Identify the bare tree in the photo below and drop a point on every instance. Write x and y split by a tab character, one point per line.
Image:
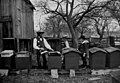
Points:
83	27
72	11
101	18
53	25
100	26
114	8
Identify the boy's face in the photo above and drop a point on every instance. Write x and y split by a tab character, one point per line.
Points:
81	40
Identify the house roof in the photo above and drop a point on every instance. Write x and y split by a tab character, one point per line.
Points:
29	2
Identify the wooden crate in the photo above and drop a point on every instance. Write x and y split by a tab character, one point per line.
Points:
25	44
71	58
10	44
113	57
54	61
23	60
7	59
97	58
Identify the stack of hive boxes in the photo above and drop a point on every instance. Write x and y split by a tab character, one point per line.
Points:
7	59
23	60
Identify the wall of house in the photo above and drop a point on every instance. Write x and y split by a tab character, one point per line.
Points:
24	24
5	20
0	37
16	19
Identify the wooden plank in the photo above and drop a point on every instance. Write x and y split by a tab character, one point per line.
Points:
18	19
23	22
0	8
0	37
9	29
28	29
14	16
2	5
5	19
5	7
29	24
10	7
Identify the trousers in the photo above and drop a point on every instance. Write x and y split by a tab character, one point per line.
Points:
44	59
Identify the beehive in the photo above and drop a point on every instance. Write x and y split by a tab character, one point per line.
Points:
97	58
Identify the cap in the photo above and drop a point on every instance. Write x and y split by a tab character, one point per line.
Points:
40	32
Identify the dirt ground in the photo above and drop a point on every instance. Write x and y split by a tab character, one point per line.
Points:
44	76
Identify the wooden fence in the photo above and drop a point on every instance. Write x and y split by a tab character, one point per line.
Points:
26	44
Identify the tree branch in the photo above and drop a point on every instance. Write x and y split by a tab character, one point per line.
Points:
67	8
89	10
71	5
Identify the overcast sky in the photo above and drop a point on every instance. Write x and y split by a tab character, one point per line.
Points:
38	18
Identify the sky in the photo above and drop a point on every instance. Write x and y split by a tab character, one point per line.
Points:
40	19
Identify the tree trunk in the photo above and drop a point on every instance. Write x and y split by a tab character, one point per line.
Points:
74	37
101	37
74	42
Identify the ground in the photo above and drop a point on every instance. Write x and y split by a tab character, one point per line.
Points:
44	76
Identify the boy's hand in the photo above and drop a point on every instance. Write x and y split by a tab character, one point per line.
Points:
42	49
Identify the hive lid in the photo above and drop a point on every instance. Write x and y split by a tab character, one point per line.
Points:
96	49
66	50
22	54
55	52
111	49
7	53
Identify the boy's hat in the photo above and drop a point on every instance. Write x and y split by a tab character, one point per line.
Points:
82	37
65	36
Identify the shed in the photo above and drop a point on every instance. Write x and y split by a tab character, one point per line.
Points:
97	58
16	19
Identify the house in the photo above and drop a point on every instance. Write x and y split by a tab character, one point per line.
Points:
16	20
